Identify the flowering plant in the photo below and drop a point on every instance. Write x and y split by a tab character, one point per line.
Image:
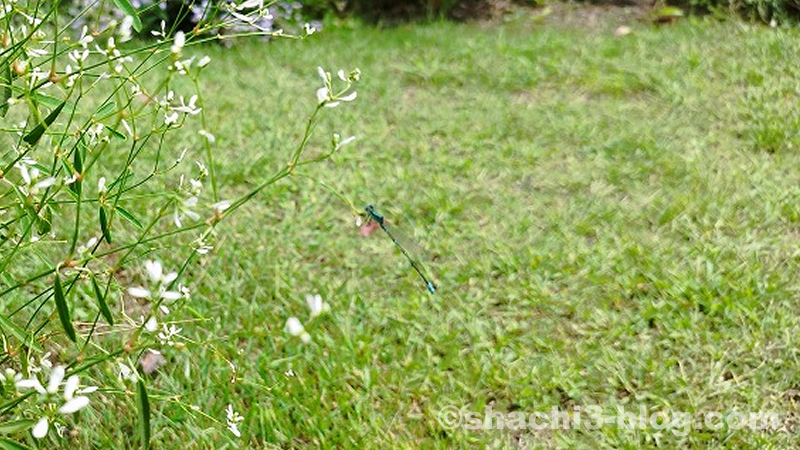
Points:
86	124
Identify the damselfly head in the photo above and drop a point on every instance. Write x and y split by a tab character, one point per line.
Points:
374	215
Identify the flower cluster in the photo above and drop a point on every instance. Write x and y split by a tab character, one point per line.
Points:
57	400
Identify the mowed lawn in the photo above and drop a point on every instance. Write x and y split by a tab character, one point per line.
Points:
609	221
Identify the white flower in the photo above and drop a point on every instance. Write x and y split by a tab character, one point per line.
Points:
203	61
324	96
170	118
295	328
188	108
126	373
86	38
167	335
233	420
178	43
186	210
101	185
316	305
221	206
72	404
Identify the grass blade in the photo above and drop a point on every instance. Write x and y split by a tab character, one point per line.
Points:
15	426
63	309
8	444
33	137
143	406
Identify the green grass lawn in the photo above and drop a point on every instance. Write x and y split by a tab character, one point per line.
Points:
609	221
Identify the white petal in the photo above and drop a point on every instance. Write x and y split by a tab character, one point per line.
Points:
349	97
176	218
169	278
46	183
248	4
31	383
154	269
138	292
171	295
322	74
221	206
233	428
71	386
322	94
346	141
151	325
341	75
192	215
294	327
56	377
314	304
74	405
40	429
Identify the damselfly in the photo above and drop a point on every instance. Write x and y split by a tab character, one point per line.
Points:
402	243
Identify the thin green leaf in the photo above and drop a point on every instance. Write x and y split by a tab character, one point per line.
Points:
101	302
63	309
106	109
8	444
16	425
77	164
117	134
128	9
33	137
7	325
77	159
129	217
48	101
104	224
5	86
143	406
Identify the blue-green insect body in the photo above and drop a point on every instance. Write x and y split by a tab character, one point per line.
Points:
378	218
